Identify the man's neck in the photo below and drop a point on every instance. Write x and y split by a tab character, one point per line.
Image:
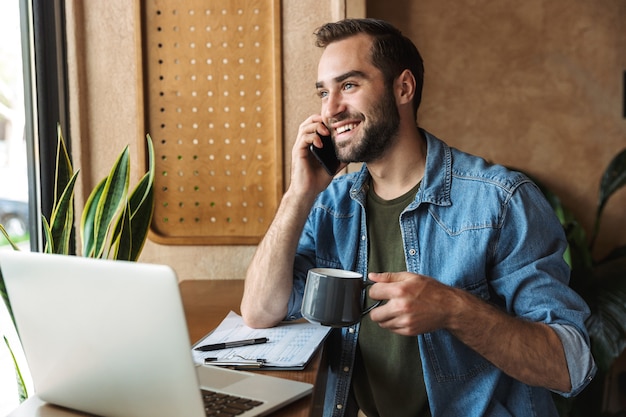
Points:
401	167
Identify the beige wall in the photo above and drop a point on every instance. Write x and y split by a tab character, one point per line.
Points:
534	84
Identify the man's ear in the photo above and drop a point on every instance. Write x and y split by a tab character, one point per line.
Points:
405	87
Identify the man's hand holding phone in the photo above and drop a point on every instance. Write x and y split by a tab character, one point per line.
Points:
308	178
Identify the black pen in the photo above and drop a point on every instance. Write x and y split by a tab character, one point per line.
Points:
228	345
236	362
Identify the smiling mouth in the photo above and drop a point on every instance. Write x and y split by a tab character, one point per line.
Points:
345	128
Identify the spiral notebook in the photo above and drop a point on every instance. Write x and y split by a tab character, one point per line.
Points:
289	346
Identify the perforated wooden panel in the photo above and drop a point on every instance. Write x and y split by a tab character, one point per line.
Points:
213	109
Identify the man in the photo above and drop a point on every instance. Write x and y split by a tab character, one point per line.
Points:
478	318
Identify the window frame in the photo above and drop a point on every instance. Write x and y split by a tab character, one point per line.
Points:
45	101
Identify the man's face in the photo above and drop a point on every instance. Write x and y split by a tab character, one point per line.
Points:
357	106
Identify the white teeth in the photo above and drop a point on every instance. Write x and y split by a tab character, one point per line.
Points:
346	128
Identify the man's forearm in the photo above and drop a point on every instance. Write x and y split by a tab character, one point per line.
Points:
269	278
529	352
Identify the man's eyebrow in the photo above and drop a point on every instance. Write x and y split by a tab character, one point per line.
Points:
343	77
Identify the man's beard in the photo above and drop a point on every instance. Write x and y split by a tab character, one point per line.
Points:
378	136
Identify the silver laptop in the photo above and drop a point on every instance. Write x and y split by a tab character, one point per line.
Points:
110	338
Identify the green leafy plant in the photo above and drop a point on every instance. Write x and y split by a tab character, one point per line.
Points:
114	223
602	283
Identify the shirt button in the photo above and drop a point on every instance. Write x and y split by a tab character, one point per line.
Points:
346	369
339	406
412	252
363	237
351	330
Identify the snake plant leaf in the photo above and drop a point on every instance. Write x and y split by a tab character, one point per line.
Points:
108	199
613	179
141	218
47	234
141	209
88	218
121	244
113	199
62	220
21	384
8	238
64	171
135	228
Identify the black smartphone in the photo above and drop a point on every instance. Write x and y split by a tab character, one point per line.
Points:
326	155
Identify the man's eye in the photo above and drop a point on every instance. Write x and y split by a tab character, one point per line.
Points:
322	93
348	86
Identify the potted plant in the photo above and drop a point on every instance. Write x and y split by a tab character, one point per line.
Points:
114	223
602	283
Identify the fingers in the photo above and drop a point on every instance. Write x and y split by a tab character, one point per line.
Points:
413	302
309	130
383	292
307	175
389	276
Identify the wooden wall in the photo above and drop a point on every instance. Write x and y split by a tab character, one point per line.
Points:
106	99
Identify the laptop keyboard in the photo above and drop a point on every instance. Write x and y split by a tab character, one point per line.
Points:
224	405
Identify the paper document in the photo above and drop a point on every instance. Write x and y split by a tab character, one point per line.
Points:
290	345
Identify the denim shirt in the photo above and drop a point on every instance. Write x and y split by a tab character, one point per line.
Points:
474	226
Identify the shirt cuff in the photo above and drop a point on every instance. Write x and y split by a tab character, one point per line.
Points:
580	363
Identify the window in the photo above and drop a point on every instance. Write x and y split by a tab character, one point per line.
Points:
14	209
32	103
13	169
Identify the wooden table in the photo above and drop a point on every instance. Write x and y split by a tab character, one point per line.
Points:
206	303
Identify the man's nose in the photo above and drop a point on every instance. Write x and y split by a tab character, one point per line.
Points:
333	106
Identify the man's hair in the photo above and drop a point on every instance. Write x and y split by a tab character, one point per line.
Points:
392	52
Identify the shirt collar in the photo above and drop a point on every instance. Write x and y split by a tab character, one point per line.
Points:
437	181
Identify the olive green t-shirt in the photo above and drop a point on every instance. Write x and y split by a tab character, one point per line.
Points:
388	380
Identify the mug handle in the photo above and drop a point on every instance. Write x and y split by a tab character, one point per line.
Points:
369	282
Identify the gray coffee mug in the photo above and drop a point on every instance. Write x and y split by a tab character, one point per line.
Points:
334	297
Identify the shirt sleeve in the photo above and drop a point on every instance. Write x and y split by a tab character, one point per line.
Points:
580	363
